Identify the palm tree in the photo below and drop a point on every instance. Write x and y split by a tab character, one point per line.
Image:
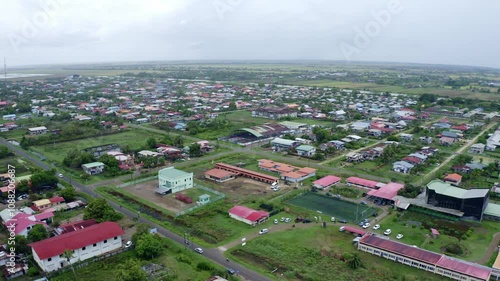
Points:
68	255
355	261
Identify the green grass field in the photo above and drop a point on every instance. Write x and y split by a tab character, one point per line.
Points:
333	207
180	262
475	244
132	138
316	253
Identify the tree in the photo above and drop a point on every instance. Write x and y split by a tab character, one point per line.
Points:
178	141
130	270
100	210
195	150
23	186
68	193
354	261
38	233
140	231
232	105
22	245
148	246
4	151
68	255
151	143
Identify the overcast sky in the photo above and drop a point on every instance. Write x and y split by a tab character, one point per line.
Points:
460	32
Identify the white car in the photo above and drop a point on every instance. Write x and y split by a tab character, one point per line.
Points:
333	219
60	175
399	236
366	225
198	250
282	219
263	231
128	244
275	221
377	226
387	232
288	220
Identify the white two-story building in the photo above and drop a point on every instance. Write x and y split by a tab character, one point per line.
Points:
86	243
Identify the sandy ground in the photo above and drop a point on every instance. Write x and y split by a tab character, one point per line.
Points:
147	190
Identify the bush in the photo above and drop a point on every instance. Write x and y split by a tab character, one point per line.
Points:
32	271
204	266
183	258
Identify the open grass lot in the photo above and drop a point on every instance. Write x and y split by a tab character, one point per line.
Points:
180	262
57	151
316	253
333	207
21	166
463	93
474	245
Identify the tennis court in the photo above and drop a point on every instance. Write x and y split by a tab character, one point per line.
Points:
334	207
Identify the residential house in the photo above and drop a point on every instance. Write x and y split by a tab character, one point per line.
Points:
402	167
445	141
454	179
44	204
406	137
274	112
279	144
86	243
37	130
22	223
306	150
354	157
427	140
93	168
477	148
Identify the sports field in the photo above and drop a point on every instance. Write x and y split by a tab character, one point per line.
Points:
332	206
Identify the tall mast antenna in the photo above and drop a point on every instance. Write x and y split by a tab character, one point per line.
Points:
5	76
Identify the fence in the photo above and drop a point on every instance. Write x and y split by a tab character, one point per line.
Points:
85	262
138	181
219	197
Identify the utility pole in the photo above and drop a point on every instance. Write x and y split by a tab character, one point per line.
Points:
5	76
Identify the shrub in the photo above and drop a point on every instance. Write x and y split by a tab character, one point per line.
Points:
204	266
183	258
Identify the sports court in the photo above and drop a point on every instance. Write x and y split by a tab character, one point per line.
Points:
334	207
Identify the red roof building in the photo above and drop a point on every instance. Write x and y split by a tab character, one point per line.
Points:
89	242
423	259
387	191
248	215
326	182
362	182
219	175
454	179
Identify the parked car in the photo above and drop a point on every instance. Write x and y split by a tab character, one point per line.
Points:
366	225
60	175
282	219
361	223
377	226
263	231
342	221
298	220
333	219
306	221
275	221
128	244
399	236
342	228
363	203
231	271
198	250
288	220
387	232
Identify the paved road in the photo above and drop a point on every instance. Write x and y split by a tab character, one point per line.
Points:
454	154
213	254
